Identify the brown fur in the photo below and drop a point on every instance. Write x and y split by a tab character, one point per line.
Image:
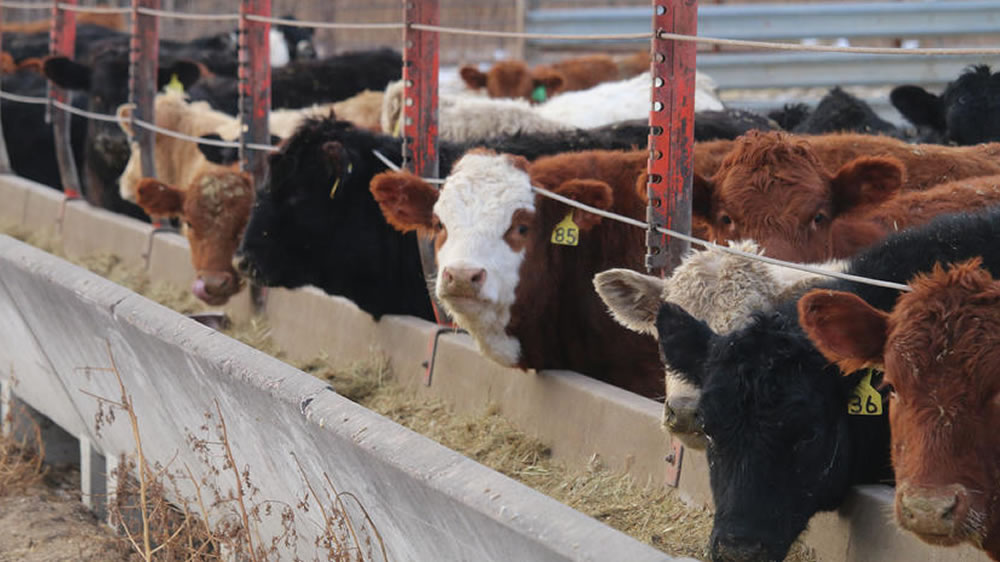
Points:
364	110
513	79
406	201
783	190
941	355
111	21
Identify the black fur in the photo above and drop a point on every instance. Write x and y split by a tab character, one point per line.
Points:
781	445
298	235
729	124
966	113
839	111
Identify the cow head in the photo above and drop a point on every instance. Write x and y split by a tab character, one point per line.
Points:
939	350
774	413
772	188
484	222
966	113
513	79
215	210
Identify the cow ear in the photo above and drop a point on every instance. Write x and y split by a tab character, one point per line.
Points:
124	118
844	328
221	155
67	73
591	192
919	106
406	200
864	181
633	299
186	72
684	342
474	78
159	199
702	190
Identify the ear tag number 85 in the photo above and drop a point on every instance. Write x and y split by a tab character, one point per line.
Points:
566	232
865	400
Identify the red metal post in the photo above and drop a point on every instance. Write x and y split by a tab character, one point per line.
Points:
4	157
255	86
671	138
144	57
420	91
62	41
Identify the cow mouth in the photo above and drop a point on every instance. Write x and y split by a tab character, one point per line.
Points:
201	290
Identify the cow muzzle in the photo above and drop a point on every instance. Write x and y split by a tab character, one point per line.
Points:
462	282
936	514
215	287
733	549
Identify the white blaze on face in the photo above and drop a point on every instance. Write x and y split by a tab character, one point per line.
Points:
475	207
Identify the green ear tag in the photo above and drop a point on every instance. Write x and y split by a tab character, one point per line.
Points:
175	84
865	400
566	232
539	94
333	190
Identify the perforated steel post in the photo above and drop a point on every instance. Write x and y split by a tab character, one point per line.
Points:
420	103
4	156
255	86
62	41
144	55
671	138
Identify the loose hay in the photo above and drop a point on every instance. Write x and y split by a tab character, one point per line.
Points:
656	516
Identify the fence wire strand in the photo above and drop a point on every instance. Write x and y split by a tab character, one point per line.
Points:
187	16
324	25
92	9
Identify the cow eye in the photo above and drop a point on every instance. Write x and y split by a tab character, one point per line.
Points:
522	229
726	220
819	219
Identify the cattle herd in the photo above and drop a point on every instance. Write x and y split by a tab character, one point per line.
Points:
797	385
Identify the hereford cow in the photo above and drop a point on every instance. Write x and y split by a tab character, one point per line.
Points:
719	288
782	443
513	79
938	348
214	207
966	113
778	189
503	274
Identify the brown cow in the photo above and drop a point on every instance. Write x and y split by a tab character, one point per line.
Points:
778	189
940	349
526	301
215	209
513	79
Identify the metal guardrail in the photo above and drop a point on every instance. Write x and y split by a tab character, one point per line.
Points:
793	22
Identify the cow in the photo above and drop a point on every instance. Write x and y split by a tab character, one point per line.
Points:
361	256
784	440
937	346
838	112
966	113
514	268
719	288
214	207
778	189
513	78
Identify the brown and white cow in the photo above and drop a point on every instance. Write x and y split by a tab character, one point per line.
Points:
940	351
215	209
527	302
787	192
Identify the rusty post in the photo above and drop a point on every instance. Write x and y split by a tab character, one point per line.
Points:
671	138
255	87
420	103
4	157
62	41
144	56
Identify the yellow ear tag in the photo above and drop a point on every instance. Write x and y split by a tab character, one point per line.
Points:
398	126
333	190
865	400
175	84
566	232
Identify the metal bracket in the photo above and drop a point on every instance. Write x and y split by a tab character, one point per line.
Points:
674	458
428	365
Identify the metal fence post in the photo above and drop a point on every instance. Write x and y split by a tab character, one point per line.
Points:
4	157
671	120
144	56
62	41
255	87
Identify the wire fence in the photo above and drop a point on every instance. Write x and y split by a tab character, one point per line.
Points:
480	33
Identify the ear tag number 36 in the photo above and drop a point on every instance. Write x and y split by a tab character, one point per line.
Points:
865	400
566	232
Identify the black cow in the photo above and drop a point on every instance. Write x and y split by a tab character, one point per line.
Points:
966	113
315	220
837	111
729	123
781	444
307	82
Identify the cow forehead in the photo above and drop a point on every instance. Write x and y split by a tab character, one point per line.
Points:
483	192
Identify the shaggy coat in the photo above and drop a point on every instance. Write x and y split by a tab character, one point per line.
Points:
966	113
778	189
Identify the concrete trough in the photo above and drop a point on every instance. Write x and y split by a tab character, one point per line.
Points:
577	416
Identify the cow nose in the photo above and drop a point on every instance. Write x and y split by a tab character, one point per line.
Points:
463	281
734	549
932	511
681	414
